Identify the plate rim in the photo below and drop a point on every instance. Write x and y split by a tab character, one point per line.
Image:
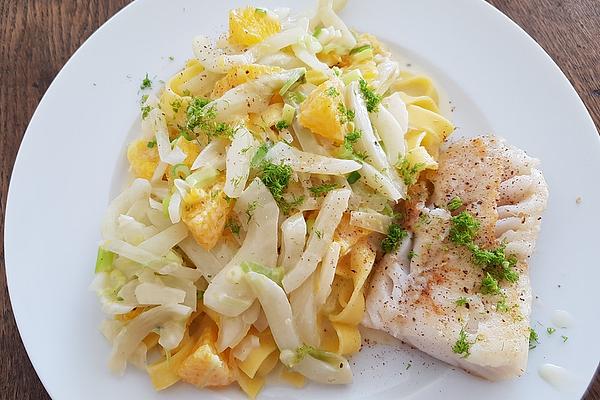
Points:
27	137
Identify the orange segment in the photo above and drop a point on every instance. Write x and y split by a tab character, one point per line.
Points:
320	112
205	366
250	25
142	158
205	214
191	148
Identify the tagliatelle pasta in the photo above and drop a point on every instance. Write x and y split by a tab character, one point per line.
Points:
267	169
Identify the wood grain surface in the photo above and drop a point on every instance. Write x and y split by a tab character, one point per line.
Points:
38	36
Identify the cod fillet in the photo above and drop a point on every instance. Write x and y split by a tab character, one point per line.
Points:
428	293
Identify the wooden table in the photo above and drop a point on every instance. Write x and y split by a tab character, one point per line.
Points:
37	38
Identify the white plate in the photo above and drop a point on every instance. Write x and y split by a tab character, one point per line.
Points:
73	158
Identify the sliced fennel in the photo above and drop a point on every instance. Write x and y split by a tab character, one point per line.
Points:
166	317
161	243
391	132
294	77
249	97
293	237
213	155
154	293
158	124
318	365
205	261
228	292
306	50
274	274
233	329
215	59
129	251
287	114
387	72
327	273
277	310
104	260
174	207
396	106
305	312
330	215
328	17
380	183
373	221
367	142
239	155
139	189
301	161
245	347
307	140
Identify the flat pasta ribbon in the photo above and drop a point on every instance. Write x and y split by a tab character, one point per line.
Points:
258	364
347	291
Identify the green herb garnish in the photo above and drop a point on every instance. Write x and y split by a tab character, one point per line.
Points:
346	115
151	144
533	338
455	204
408	172
461	301
251	209
464	228
323	189
259	156
146	83
550	330
371	98
332	92
489	285
176	105
286	206
145	111
276	178
462	346
496	262
501	305
347	149
233	226
201	118
393	239
281	125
